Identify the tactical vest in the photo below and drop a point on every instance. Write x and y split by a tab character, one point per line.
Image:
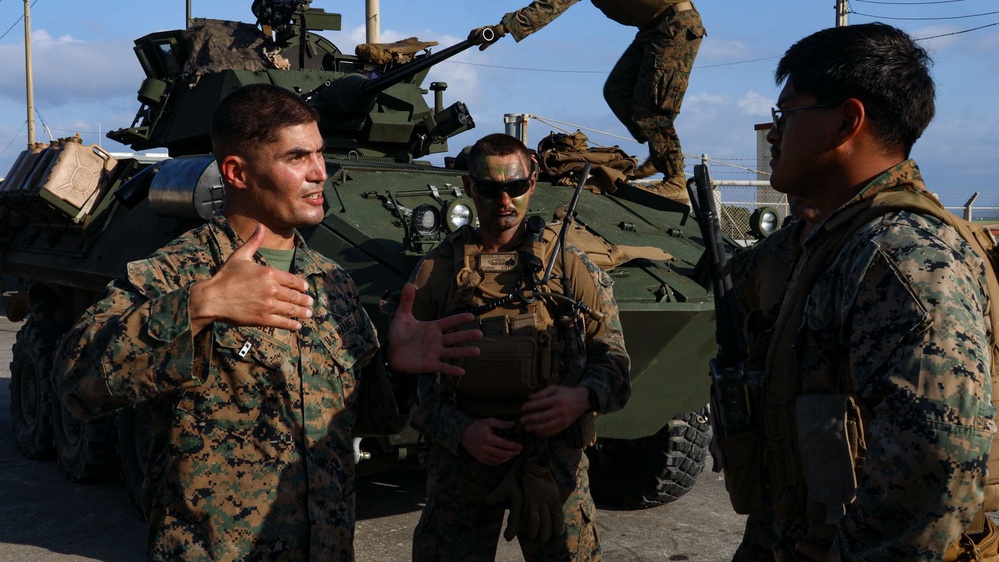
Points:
521	346
637	13
801	417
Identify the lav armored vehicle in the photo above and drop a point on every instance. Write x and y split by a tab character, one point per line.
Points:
72	216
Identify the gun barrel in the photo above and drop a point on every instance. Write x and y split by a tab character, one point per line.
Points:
408	70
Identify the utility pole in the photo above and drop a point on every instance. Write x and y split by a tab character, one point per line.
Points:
30	94
372	27
842	9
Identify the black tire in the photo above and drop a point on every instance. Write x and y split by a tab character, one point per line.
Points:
135	434
87	450
651	471
31	387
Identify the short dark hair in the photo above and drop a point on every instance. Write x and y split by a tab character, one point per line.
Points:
496	144
875	63
254	114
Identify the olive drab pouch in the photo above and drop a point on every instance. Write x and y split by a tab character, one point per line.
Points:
830	438
738	457
509	367
978	547
743	477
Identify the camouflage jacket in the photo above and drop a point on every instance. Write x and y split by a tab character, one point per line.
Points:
896	318
607	366
252	454
540	13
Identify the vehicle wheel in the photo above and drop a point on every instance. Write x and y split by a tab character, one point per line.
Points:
31	387
135	433
651	471
86	449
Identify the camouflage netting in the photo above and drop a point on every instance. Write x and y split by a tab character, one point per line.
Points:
217	45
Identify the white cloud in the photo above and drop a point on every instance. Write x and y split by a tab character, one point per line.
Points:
755	104
66	69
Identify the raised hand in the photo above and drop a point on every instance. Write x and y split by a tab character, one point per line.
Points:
423	347
245	293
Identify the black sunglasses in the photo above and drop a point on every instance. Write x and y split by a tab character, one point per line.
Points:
491	189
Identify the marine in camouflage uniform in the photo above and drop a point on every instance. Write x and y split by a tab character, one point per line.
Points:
874	421
646	87
257	371
252	449
901	308
459	522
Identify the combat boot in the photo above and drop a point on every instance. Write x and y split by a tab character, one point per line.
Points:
675	188
645	170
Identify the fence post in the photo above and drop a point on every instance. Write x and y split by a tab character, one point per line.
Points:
968	206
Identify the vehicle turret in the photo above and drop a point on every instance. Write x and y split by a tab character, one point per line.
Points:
368	110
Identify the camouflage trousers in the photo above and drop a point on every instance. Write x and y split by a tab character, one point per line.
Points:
646	87
459	524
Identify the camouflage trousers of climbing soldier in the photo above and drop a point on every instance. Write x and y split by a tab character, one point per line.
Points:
646	87
458	524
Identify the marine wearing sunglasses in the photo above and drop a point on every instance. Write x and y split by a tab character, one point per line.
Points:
491	189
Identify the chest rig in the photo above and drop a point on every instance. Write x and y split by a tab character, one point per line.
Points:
527	326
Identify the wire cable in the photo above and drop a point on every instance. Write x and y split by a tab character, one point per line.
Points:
17	21
927	19
908	3
14	138
957	32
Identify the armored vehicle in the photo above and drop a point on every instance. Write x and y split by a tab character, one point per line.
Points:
73	216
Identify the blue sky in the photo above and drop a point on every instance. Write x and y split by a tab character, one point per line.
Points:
86	75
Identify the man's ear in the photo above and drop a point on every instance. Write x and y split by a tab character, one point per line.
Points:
233	171
854	117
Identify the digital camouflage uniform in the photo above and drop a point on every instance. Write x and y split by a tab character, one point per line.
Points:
252	454
894	316
646	87
458	523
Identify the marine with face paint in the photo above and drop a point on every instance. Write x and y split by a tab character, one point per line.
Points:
512	434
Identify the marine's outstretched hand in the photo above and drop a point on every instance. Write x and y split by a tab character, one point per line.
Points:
423	347
486	35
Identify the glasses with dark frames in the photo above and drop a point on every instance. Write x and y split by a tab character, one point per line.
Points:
779	114
491	189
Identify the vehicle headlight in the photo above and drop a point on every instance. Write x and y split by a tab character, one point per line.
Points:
458	214
426	220
763	222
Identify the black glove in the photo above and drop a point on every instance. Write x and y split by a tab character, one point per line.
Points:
486	35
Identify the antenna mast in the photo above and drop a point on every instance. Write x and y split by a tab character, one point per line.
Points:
28	82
